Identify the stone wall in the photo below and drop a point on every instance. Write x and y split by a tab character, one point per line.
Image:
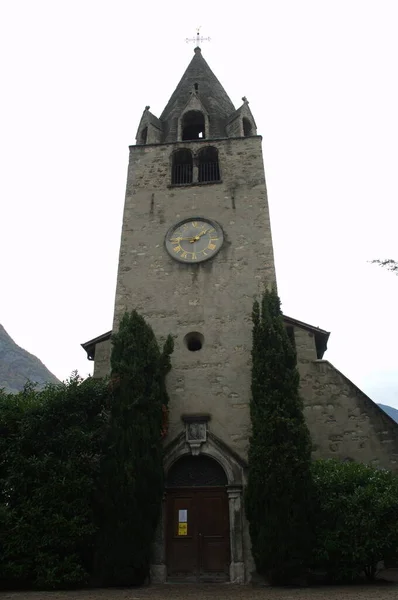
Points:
235	127
154	135
102	359
344	423
213	298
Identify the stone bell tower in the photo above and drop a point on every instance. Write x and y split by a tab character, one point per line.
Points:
195	250
196	246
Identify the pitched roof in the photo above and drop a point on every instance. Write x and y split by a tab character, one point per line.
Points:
242	110
321	336
154	121
89	346
210	91
148	118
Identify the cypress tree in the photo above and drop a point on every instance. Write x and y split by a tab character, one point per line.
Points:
278	493
131	491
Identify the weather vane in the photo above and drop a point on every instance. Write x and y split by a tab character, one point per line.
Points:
198	39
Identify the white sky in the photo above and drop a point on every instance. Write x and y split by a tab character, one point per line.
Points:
321	78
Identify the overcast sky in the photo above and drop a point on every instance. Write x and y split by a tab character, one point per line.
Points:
321	79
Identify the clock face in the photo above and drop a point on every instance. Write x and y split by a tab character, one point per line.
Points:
194	240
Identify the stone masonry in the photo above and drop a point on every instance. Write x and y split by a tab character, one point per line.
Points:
344	423
214	298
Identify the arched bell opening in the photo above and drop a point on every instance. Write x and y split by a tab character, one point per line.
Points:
144	136
208	165
193	126
182	167
247	127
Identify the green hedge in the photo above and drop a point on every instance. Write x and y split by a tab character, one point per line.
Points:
355	518
50	452
81	475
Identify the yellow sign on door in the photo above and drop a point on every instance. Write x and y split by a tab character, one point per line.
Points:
182	528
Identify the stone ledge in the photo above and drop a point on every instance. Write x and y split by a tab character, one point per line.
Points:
196	418
193	184
200	141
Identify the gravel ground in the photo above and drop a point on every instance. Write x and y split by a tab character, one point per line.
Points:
382	591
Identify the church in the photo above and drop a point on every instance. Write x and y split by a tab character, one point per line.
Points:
196	249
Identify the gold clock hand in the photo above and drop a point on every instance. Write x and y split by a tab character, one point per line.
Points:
197	237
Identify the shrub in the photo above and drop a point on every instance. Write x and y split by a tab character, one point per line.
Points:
355	518
279	489
131	490
50	452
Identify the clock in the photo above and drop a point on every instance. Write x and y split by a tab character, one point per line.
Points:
194	240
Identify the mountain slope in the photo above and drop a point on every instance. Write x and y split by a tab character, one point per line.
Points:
392	412
17	366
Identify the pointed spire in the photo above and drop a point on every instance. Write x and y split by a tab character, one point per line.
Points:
200	77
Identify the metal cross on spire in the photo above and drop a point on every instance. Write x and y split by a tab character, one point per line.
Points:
198	39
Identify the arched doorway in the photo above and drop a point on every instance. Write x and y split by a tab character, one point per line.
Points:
197	520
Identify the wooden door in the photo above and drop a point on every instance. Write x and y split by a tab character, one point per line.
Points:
198	534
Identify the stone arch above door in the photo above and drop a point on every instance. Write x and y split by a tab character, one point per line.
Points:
234	466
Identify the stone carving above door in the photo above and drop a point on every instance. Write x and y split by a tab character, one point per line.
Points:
195	431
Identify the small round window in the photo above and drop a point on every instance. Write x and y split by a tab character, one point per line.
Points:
194	341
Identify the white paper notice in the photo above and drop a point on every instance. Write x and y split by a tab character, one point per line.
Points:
182	516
